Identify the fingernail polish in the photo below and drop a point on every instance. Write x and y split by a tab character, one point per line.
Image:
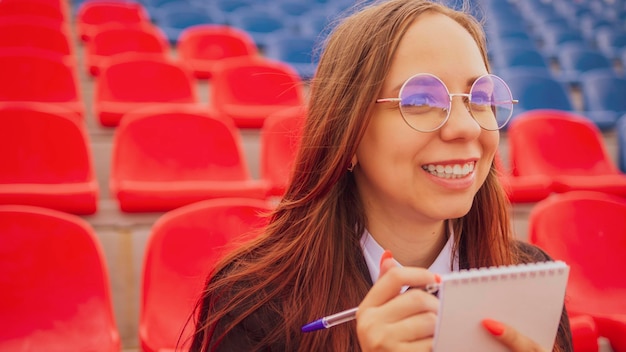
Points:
494	327
437	278
386	255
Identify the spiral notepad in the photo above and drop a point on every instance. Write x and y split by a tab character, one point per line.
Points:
528	297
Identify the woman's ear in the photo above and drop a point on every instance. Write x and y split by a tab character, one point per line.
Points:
353	163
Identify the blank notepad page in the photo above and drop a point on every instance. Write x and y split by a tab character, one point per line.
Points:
528	297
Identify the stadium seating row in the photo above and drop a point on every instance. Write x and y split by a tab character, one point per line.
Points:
126	82
129	82
163	157
554	46
167	156
585	229
110	28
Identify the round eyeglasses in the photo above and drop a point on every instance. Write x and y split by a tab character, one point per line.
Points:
425	102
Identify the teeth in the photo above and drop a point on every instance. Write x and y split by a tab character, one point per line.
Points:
450	171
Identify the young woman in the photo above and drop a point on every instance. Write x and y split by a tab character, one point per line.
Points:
397	156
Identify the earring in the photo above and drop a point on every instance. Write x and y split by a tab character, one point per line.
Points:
351	167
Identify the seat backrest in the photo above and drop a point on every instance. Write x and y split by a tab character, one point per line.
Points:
114	39
609	39
280	137
555	36
183	248
93	14
41	36
256	20
103	11
174	143
552	142
43	144
537	91
580	58
603	90
587	230
255	80
294	8
181	15
55	293
36	75
140	78
524	57
215	42
228	6
292	49
32	8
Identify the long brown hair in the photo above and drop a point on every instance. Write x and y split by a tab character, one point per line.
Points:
306	263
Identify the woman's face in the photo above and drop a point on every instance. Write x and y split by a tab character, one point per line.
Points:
393	176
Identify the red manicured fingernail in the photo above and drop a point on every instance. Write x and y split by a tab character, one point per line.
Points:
386	255
494	327
437	278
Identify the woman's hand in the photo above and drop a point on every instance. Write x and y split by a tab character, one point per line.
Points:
390	321
510	337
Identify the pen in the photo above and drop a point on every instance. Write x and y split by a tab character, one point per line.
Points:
350	314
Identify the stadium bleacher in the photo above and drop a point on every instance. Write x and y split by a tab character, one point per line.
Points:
550	31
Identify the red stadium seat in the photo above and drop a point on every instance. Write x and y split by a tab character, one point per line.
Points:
167	157
182	250
20	19
46	159
35	35
55	293
94	13
565	147
584	333
202	47
116	39
280	136
133	80
248	89
35	75
523	189
587	230
43	9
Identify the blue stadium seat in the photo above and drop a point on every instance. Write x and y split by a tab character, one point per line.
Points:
315	23
502	16
591	24
539	27
152	6
293	8
610	41
262	25
501	36
295	50
173	18
518	56
604	96
575	59
571	10
535	90
554	37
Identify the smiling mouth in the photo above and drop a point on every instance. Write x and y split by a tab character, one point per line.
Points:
450	171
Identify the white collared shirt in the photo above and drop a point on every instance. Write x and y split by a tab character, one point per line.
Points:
372	251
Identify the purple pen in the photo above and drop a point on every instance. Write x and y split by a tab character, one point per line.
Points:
350	314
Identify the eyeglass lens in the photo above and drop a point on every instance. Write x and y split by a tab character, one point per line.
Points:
425	102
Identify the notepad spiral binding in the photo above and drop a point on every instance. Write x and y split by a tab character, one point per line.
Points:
505	272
